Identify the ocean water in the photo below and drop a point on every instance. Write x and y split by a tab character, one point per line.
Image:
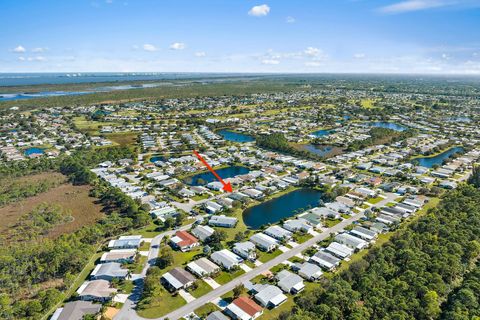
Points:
29	79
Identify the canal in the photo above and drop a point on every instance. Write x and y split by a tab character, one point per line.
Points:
429	162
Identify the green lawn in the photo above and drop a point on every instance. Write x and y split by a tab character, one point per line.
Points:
301	238
225	277
267	256
273	314
137	267
127	286
375	200
180	259
202	288
145	246
330	222
161	305
206	309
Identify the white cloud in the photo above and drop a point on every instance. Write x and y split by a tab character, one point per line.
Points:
177	46
21	58
19	49
149	47
39	50
312	52
270	61
200	54
417	5
259	11
359	55
37	58
290	20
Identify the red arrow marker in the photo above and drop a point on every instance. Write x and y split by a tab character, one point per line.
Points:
226	186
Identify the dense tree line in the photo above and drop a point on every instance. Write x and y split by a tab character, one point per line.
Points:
379	136
277	142
464	302
410	276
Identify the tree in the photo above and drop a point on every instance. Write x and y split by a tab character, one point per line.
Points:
239	236
165	257
474	179
238	291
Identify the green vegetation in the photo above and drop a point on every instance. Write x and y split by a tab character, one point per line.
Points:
267	256
35	224
18	189
464	302
411	275
227	276
27	271
200	288
380	136
206	309
156	300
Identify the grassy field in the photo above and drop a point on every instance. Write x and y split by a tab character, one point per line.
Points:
202	289
72	199
206	309
123	138
267	256
161	305
225	277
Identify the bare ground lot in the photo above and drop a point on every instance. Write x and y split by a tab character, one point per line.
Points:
73	199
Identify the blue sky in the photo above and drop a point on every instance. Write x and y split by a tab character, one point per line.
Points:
375	36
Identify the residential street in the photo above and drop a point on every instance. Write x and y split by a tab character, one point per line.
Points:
128	313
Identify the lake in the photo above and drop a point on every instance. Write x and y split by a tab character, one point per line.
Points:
429	162
387	125
284	206
321	133
321	150
208	177
230	135
156	158
31	151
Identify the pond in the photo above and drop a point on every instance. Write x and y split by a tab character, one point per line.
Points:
321	150
322	133
284	206
387	125
156	158
230	135
31	151
429	162
204	178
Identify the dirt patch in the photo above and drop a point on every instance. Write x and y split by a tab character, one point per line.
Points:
73	199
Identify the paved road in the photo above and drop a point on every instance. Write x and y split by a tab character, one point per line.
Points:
216	293
128	309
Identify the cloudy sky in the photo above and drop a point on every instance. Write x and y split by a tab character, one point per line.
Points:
375	36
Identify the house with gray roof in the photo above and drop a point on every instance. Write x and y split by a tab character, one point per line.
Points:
202	232
76	310
203	267
223	221
217	315
177	279
108	271
289	282
96	290
269	296
226	259
278	233
295	225
351	241
309	271
264	242
364	233
126	242
339	250
245	250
